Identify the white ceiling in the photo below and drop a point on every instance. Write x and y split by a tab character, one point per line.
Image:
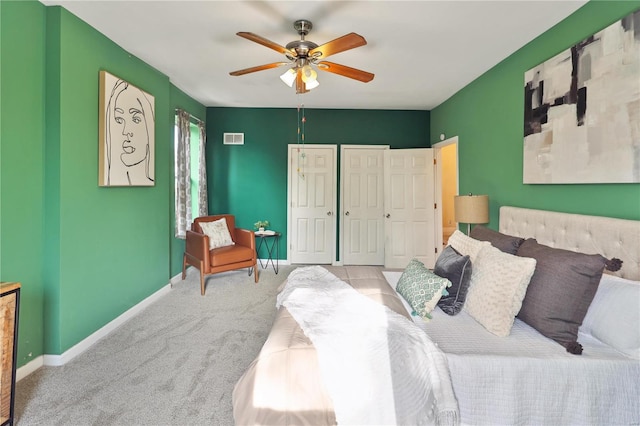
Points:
421	52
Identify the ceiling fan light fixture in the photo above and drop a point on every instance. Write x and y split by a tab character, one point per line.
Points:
308	74
312	84
289	77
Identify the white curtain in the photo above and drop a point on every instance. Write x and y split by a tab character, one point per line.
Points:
183	174
203	207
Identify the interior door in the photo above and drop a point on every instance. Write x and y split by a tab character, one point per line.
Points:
312	203
362	207
409	207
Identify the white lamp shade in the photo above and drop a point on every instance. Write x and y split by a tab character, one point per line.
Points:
308	74
471	208
312	84
289	77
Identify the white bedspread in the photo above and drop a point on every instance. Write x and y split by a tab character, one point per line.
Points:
346	329
528	379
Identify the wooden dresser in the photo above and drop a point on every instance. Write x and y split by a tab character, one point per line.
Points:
9	305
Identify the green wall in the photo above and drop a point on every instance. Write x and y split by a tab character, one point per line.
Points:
84	254
487	115
22	35
113	244
250	180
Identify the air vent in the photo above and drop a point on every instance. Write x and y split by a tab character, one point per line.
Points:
233	139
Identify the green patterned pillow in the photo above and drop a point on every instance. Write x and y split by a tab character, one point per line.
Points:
422	288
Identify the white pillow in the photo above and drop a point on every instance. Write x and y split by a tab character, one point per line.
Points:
218	233
466	245
499	282
614	315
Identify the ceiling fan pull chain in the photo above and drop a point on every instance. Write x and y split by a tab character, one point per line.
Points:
301	154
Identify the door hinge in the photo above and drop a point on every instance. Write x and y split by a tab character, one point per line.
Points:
435	161
435	206
435	249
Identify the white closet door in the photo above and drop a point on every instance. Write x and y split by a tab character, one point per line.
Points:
409	207
312	203
362	205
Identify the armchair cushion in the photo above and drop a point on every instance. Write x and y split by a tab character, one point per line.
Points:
218	233
229	255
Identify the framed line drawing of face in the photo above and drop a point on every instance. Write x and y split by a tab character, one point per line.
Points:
127	134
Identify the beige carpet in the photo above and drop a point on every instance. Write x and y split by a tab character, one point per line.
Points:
173	364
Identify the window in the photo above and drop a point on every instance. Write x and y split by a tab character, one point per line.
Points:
190	171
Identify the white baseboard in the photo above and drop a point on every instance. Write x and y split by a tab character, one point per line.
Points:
80	347
279	262
177	278
29	368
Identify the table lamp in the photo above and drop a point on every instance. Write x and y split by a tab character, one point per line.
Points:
471	209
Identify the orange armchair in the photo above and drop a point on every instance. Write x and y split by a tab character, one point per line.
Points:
240	255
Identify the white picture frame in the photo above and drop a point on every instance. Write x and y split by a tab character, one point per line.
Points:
127	134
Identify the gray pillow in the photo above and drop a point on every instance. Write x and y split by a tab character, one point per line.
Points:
457	269
560	292
506	243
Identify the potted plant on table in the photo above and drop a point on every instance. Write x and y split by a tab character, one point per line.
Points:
261	225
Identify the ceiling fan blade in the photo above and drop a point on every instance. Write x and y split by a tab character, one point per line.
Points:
268	43
300	86
346	42
346	71
259	68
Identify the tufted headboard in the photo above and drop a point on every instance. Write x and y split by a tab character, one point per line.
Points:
587	234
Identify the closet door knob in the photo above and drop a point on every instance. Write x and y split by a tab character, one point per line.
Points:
347	214
388	216
328	213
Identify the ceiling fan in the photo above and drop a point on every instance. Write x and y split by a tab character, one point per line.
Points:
303	54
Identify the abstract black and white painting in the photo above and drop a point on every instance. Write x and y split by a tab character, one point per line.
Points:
127	134
582	110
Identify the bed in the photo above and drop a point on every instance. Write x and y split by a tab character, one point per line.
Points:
521	378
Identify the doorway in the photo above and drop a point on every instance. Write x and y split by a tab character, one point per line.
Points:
446	186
